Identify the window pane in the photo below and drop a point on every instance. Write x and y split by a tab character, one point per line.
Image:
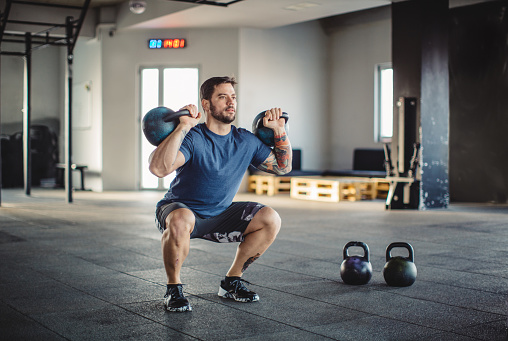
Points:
180	89
386	105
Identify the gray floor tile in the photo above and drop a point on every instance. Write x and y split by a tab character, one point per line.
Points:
210	320
496	330
293	335
16	326
374	328
402	308
84	323
46	297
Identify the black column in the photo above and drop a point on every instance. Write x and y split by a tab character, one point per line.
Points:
435	106
420	72
479	103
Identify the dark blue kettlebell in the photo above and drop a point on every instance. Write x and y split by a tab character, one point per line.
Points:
266	134
399	271
356	270
160	122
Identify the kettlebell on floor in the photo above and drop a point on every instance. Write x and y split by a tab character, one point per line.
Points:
356	270
399	271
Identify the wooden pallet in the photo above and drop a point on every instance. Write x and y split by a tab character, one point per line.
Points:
269	184
382	188
333	189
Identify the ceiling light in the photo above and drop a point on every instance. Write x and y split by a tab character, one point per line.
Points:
301	6
222	3
137	6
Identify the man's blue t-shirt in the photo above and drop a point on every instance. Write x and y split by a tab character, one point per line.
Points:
214	168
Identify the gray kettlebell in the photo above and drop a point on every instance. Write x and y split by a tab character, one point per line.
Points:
399	271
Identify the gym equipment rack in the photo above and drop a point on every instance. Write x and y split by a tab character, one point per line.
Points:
63	33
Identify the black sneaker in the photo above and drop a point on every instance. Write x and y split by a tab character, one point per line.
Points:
174	300
236	290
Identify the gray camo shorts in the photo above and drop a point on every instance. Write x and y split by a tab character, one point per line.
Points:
227	227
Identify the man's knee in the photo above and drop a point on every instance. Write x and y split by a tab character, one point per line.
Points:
179	223
269	220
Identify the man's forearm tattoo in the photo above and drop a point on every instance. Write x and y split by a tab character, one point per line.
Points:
280	160
249	262
282	151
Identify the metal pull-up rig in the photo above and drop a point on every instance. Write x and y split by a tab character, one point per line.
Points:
20	30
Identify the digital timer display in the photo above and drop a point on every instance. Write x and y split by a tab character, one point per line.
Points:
177	43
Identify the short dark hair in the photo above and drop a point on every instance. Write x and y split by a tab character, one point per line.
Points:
208	87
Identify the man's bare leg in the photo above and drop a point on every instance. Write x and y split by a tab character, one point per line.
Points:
175	248
259	235
176	242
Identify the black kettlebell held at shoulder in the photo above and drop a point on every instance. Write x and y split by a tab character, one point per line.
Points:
160	122
356	270
399	271
266	134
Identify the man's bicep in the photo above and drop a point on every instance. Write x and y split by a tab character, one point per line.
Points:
180	160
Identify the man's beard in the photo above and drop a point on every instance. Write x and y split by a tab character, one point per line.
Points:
221	116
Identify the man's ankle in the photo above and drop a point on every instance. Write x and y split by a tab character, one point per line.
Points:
230	279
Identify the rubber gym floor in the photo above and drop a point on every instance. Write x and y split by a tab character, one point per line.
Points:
92	270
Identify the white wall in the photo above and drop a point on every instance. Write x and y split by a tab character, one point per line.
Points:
355	49
87	131
286	67
45	87
11	91
46	77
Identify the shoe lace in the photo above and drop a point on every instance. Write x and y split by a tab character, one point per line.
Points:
238	285
175	292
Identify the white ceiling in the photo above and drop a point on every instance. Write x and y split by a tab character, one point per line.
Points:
248	13
177	14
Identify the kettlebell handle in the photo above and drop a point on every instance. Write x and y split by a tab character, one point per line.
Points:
260	116
360	244
400	244
174	115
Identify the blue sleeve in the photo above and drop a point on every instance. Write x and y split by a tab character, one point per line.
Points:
187	147
262	152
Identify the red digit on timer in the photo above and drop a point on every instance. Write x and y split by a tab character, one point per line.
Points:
176	43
